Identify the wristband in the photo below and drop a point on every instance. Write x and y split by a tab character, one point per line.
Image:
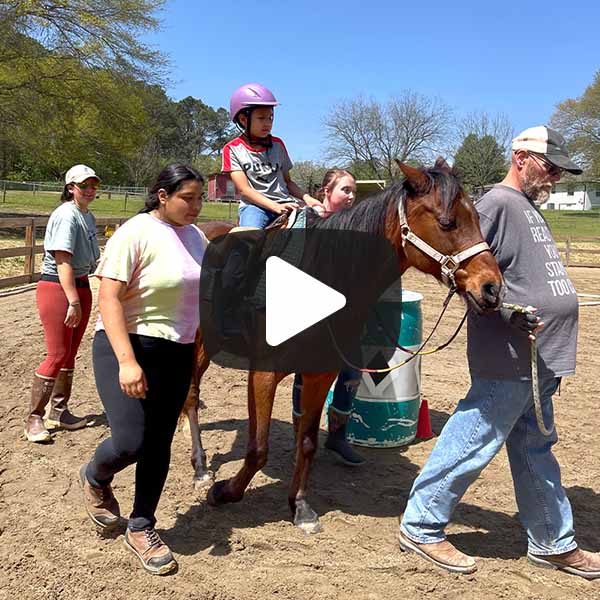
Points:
76	303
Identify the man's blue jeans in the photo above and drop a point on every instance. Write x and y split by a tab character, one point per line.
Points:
493	413
251	215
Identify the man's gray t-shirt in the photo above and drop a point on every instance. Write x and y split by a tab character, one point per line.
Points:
72	231
533	275
265	168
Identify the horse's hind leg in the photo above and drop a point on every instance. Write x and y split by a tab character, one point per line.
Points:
261	393
314	393
203	476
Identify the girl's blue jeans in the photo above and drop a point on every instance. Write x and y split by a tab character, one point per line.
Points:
343	392
495	412
251	215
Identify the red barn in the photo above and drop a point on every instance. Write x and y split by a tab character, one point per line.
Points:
221	188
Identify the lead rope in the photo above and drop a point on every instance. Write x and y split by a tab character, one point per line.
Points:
413	354
535	383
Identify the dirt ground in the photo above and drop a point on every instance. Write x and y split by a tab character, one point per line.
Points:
49	550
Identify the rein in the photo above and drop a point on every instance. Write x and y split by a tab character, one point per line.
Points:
449	265
413	354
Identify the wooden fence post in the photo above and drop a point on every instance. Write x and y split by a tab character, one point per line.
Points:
30	243
568	250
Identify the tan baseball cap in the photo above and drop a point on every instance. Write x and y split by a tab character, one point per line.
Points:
79	173
549	143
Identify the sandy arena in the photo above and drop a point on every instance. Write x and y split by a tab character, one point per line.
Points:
251	551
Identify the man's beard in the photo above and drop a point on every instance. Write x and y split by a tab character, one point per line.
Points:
535	187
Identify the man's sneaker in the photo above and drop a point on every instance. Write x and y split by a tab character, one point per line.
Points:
443	554
153	553
100	502
576	562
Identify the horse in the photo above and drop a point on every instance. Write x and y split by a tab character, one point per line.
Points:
433	227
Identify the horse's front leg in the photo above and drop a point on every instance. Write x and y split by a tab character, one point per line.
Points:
313	395
261	393
203	476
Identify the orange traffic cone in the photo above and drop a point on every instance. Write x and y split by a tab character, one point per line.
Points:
424	431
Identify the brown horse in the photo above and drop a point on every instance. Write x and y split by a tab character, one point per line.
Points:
433	227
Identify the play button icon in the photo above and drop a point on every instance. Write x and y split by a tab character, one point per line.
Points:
287	287
291	300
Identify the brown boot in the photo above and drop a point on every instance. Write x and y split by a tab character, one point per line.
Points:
100	502
57	413
41	390
576	562
443	554
153	553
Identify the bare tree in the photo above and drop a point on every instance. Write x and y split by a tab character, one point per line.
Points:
373	134
481	124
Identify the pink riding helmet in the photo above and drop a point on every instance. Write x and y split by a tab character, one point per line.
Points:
250	94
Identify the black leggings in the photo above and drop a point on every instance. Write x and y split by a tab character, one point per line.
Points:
141	429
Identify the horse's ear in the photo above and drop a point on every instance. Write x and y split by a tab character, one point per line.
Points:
416	178
442	165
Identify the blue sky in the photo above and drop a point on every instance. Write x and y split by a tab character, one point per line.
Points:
519	58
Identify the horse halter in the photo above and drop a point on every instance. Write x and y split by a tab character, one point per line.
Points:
449	263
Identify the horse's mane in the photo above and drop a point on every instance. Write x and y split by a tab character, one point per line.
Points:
369	215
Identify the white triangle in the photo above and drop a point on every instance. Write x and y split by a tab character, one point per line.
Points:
295	301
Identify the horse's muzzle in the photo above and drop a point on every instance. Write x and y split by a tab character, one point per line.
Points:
488	299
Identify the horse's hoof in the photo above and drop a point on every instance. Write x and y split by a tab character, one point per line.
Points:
309	527
306	518
216	495
203	481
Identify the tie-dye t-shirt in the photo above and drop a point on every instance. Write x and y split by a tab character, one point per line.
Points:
161	265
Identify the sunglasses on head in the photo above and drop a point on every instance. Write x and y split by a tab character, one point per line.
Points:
87	185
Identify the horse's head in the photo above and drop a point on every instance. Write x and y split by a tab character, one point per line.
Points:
435	210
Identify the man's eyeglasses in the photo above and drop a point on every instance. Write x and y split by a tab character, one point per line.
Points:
551	168
87	185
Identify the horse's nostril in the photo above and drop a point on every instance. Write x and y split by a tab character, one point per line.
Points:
490	292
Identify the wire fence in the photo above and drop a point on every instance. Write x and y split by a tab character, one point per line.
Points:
38	198
57	186
46	195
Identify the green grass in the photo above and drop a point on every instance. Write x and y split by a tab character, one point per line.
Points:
46	202
574	223
562	222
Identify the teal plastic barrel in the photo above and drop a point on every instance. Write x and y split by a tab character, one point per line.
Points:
386	408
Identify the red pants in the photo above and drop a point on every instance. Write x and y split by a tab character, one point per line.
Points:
62	342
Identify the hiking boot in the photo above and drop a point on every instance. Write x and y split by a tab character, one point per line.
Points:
576	562
443	554
41	390
57	413
153	553
337	442
100	502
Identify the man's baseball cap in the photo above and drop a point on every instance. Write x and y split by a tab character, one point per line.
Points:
79	173
549	143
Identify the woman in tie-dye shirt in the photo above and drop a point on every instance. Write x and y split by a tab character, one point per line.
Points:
143	354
